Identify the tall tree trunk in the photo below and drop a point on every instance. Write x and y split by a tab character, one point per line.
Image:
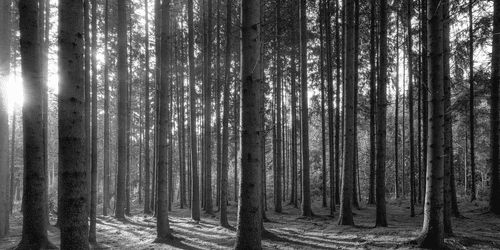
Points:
337	104
217	106
72	139
346	217
122	110
225	122
471	107
249	230
410	107
321	20
147	125
293	66
87	57
34	226
425	91
432	235
448	141
494	204
208	112
279	164
5	195
93	172
106	182
329	78
373	92
381	220
163	233
195	200
306	184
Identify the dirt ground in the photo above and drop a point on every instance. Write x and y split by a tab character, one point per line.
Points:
477	229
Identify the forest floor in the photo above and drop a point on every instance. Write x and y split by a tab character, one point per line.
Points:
476	229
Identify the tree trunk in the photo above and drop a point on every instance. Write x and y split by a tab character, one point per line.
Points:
432	235
410	107
306	185
346	216
34	226
195	200
381	217
93	172
72	139
373	92
279	164
471	107
225	123
494	205
5	195
163	233
337	105
106	181
147	111
321	21
87	57
249	210
425	92
122	110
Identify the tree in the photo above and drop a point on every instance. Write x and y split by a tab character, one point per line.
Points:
373	102
410	107
106	182
87	58
306	183
147	125
249	208
195	197
122	109
494	205
72	158
432	235
163	233
208	111
278	173
34	233
381	217
93	172
5	40
471	106
346	217
225	122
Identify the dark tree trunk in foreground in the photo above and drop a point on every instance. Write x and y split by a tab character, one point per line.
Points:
72	158
208	113
373	101
381	220
106	182
306	183
432	235
278	173
346	216
93	171
34	233
195	197
471	107
163	233
410	107
494	116
122	110
147	125
5	41
225	123
249	230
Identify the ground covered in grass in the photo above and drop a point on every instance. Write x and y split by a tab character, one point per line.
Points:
476	229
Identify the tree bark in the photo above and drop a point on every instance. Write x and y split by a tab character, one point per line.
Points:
432	235
122	110
163	233
381	216
5	45
346	216
93	172
373	101
249	230
471	107
494	204
410	107
147	125
72	139
279	164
